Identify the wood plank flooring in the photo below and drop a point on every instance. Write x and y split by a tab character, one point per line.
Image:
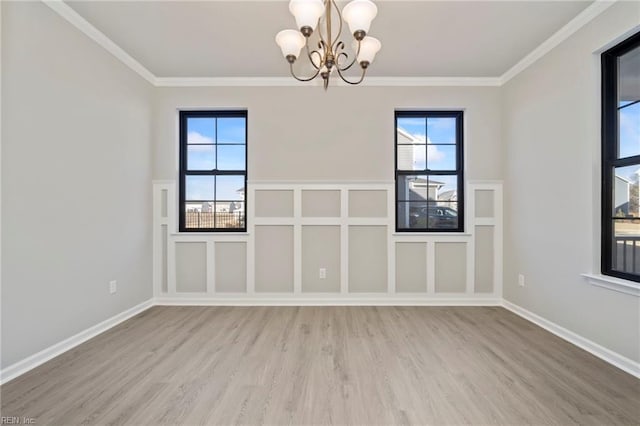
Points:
325	365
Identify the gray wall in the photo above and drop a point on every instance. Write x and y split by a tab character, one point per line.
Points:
76	182
552	183
343	134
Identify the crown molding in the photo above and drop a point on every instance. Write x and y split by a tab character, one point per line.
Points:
101	39
225	81
288	81
582	19
429	81
62	9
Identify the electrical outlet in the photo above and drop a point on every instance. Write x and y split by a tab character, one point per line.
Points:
323	273
113	286
521	280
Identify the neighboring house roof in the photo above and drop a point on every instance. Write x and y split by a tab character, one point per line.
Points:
406	135
449	195
431	181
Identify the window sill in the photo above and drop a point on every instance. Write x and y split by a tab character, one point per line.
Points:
210	234
612	283
431	234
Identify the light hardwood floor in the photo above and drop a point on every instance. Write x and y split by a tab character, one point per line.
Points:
325	365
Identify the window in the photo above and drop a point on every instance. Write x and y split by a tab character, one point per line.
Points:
621	160
429	171
213	171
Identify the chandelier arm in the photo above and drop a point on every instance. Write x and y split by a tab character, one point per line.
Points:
347	56
309	55
364	71
303	79
321	48
333	45
317	52
320	32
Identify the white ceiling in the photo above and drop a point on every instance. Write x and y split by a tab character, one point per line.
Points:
419	38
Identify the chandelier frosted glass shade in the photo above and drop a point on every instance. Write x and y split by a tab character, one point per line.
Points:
369	46
290	42
314	19
359	14
306	12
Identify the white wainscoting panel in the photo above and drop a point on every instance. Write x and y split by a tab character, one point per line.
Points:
284	230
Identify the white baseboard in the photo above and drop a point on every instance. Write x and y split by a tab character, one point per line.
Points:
31	362
628	365
326	301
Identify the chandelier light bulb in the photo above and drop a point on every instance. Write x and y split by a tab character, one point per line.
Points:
306	12
359	14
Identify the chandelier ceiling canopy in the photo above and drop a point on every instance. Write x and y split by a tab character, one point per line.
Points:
330	54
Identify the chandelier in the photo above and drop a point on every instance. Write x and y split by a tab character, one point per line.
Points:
330	54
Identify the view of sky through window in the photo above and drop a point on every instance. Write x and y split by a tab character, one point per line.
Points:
215	143
629	128
439	136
